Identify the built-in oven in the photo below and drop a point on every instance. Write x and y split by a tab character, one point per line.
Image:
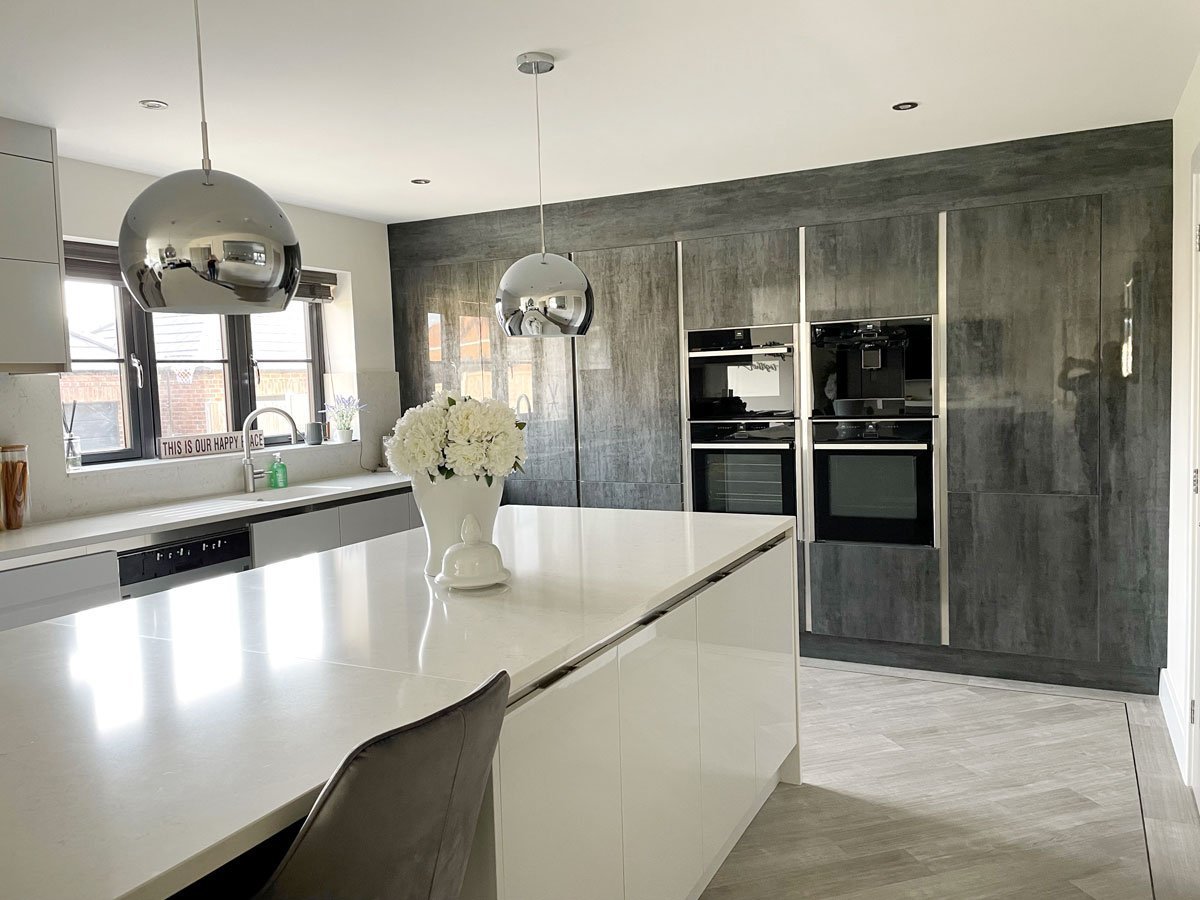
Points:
742	373
873	481
744	467
881	367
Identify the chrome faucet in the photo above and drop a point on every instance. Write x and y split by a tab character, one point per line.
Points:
251	475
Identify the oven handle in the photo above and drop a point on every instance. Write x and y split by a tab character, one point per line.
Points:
869	445
746	445
748	351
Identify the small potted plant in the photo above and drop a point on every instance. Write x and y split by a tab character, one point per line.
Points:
340	413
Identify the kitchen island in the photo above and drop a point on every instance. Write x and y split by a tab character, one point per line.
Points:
653	705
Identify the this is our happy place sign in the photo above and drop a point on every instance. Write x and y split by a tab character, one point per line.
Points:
207	444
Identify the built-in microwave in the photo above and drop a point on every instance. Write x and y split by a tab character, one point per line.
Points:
743	467
742	373
881	367
873	481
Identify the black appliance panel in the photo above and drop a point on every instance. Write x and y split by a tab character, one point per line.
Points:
873	368
873	482
744	467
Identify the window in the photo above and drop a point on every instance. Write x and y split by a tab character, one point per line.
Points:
137	377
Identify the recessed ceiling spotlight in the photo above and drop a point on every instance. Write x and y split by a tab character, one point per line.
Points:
906	106
154	104
420	181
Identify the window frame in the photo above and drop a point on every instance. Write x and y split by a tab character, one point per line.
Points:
137	341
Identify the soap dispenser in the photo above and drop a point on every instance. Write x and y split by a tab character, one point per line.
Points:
278	477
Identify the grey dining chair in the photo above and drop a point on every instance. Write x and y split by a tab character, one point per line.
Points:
397	819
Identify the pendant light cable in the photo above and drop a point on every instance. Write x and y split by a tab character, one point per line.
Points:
537	107
205	163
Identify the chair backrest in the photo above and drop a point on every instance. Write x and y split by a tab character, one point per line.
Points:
397	819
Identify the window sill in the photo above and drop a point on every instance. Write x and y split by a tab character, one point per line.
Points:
289	449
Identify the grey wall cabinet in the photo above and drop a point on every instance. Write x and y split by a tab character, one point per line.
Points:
875	269
1135	401
742	279
1023	574
447	339
1023	285
627	380
879	593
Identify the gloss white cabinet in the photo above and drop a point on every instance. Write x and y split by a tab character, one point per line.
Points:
730	677
769	584
34	338
291	536
660	757
59	588
559	777
367	519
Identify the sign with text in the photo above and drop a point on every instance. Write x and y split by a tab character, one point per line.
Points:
207	444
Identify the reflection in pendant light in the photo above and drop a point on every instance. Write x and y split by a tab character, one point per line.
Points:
237	252
1127	331
543	294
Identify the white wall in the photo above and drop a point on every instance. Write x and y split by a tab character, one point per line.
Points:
359	337
1176	687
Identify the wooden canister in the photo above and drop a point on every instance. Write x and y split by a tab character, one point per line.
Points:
14	485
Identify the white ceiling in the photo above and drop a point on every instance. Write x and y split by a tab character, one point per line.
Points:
337	105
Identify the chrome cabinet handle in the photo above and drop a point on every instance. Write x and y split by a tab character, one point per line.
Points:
867	445
137	369
746	445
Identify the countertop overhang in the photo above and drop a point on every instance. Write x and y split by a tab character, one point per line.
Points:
149	741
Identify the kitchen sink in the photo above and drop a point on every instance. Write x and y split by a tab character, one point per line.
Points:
295	492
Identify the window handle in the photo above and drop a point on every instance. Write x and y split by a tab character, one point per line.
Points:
257	370
137	368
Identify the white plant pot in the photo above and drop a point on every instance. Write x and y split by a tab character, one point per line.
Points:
445	503
343	435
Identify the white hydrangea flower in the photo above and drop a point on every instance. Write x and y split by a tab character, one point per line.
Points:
459	436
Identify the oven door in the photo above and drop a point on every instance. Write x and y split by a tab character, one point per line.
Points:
742	384
747	478
874	493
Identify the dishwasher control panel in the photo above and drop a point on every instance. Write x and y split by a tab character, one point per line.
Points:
164	560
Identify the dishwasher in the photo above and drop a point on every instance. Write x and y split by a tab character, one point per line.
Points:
169	564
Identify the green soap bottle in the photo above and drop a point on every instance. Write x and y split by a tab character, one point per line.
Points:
278	475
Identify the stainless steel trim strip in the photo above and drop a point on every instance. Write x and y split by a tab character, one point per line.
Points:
875	418
804	477
873	319
747	445
941	499
868	445
684	432
747	351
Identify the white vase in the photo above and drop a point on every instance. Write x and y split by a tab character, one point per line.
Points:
445	503
343	435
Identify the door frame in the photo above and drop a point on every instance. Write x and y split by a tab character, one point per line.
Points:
1192	728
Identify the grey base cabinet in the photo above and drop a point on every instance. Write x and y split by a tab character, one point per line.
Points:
530	492
617	495
1023	574
873	592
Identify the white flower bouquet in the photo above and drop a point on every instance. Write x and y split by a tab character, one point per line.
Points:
457	436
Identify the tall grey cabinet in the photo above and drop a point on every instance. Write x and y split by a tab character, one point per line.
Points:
447	339
1058	377
627	381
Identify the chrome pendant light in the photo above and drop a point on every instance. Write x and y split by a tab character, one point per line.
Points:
206	241
543	294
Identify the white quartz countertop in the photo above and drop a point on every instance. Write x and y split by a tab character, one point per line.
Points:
149	741
77	533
